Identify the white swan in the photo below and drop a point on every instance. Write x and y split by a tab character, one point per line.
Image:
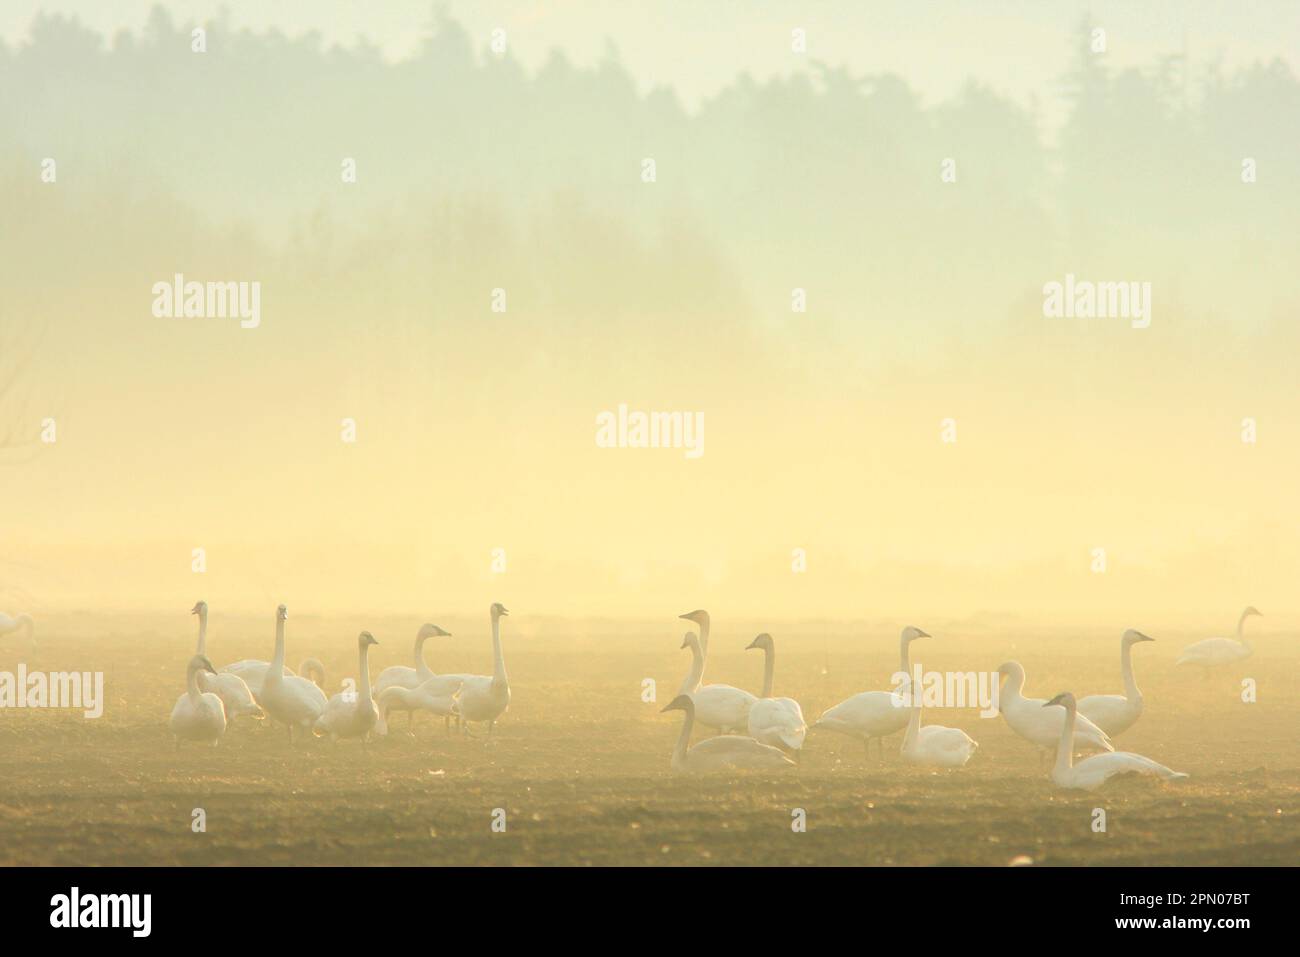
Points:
1114	713
874	714
1219	651
716	706
933	744
288	698
1091	773
425	697
1028	719
313	670
351	714
11	626
484	698
236	697
198	715
775	721
414	677
722	753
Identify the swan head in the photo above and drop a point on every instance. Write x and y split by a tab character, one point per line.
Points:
1133	636
1064	699
432	631
201	663
499	610
1251	610
683	702
911	633
200	608
1012	669
281	613
690	640
699	616
365	640
763	641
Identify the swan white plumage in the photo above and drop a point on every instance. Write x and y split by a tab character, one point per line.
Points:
1219	651
933	744
483	697
352	714
421	673
198	715
11	626
1115	713
1091	773
874	714
424	697
235	695
1028	719
290	699
722	753
716	706
313	670
775	721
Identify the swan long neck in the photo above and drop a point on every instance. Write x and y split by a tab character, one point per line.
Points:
1241	625
913	724
1065	749
769	667
192	682
498	658
904	657
203	634
421	669
277	660
364	670
696	674
704	635
683	739
1126	667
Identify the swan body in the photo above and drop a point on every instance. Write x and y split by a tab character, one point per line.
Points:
198	715
484	697
236	697
874	714
1028	719
402	676
716	706
726	752
11	626
1091	773
351	714
425	697
775	721
934	745
1116	713
288	698
1219	651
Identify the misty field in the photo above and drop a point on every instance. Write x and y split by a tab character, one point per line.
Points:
580	763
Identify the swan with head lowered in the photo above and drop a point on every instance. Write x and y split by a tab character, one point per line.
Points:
716	706
725	752
22	623
874	714
933	745
1091	773
288	698
404	677
1028	719
775	721
1219	651
430	697
351	714
198	715
486	697
235	695
1114	713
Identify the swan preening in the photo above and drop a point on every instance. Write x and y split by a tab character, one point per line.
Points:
198	715
236	697
775	721
12	626
1091	773
1220	651
1115	713
1027	718
874	714
722	753
351	714
289	698
716	706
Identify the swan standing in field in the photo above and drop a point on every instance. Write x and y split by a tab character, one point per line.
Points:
414	677
875	714
716	706
775	721
288	698
352	714
484	698
1114	713
933	744
722	753
1091	773
11	626
198	715
1219	651
1028	719
235	695
429	697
